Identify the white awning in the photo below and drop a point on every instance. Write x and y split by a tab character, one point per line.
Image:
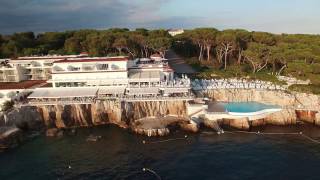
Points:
63	92
144	59
112	90
175	90
93	81
148	90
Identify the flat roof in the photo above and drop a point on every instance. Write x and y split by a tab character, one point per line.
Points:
63	92
21	85
48	57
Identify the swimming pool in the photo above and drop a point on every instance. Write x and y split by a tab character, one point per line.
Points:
247	107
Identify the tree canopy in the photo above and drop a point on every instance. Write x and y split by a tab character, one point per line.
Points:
233	51
116	41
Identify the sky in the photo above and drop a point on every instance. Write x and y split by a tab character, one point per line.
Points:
276	16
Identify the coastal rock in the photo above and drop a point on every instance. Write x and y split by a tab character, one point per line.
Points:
104	112
10	137
258	122
189	126
52	132
241	123
317	119
141	109
213	124
306	116
25	118
160	126
283	117
107	111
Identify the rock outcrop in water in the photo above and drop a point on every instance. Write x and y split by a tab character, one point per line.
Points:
26	118
15	125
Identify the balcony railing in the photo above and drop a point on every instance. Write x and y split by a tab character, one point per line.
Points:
83	71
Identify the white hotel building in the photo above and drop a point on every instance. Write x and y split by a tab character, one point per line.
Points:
69	77
97	71
30	68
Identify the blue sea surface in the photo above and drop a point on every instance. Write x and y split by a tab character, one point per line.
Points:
247	106
122	155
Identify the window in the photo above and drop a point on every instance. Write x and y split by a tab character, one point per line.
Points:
104	66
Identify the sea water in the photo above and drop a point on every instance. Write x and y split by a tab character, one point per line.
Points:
205	155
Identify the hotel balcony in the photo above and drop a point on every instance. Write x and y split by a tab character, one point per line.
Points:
8	79
33	65
38	77
9	73
86	69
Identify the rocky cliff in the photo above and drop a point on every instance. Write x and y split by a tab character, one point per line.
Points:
104	112
25	118
16	124
137	110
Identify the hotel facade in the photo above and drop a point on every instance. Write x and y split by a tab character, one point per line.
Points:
106	76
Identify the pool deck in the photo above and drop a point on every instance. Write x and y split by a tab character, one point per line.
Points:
215	107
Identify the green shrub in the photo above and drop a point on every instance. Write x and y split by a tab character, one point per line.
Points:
311	88
7	105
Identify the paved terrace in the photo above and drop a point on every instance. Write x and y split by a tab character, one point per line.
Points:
88	95
204	84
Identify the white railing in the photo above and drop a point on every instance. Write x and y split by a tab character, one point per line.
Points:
60	102
157	98
234	84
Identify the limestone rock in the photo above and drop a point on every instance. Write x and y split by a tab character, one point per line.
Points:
241	123
284	117
10	137
258	122
190	127
25	118
306	116
52	132
317	119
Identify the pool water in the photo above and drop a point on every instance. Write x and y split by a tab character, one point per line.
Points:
245	107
